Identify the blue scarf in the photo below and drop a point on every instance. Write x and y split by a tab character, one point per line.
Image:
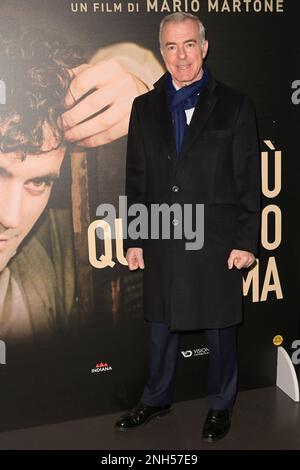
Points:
181	100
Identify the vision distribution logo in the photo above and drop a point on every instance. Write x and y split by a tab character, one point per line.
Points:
195	352
101	367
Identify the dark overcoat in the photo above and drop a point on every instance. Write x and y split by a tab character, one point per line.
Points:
219	167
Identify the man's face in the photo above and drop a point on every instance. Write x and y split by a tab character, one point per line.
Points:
182	51
25	187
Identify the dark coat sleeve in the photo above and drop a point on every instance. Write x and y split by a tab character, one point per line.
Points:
246	170
135	186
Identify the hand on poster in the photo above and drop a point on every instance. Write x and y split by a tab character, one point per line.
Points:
99	99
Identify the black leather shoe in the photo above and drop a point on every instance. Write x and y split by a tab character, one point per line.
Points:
217	425
139	415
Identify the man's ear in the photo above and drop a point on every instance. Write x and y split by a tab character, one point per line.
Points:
204	48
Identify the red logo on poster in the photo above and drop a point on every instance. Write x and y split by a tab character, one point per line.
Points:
102	364
101	367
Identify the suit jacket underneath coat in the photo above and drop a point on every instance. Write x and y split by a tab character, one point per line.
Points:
218	166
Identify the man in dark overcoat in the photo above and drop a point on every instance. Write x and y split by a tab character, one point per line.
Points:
193	143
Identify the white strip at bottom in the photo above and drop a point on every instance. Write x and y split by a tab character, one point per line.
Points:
287	379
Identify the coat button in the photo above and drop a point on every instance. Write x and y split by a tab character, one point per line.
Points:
169	157
175	189
175	221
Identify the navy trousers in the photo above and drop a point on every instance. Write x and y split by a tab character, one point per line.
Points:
163	355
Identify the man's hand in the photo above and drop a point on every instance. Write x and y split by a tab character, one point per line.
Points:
134	257
240	259
111	90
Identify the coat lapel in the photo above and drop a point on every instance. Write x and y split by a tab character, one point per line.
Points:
163	117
